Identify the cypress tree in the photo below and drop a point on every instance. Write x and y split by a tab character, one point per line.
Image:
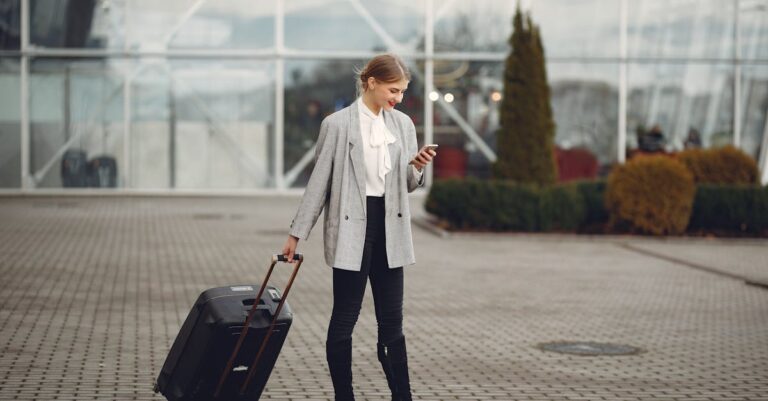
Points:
525	140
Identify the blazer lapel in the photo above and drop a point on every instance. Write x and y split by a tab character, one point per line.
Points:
356	150
395	148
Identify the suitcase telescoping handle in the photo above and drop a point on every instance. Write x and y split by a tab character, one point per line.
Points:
275	258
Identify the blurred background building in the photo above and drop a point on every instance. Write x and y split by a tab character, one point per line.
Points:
229	94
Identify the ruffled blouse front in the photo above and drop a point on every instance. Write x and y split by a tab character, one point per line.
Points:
376	140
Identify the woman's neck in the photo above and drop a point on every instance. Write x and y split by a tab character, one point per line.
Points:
368	100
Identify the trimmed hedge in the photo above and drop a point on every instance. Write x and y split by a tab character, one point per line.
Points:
472	204
726	165
561	207
595	214
498	205
652	194
489	205
732	208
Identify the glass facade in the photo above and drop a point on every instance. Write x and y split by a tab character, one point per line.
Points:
683	101
229	94
75	105
200	124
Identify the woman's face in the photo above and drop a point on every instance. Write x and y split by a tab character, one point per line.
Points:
387	94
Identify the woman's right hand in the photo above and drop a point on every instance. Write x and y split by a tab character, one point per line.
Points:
290	248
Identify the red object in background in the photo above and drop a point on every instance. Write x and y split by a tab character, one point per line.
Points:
574	164
450	162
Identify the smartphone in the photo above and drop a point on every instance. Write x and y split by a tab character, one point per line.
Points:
431	146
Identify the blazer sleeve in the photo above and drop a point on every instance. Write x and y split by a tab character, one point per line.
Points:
415	177
318	187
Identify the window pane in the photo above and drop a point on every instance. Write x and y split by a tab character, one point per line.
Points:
244	24
486	25
337	25
585	104
471	90
753	23
203	124
76	123
688	103
754	118
317	88
10	126
77	23
578	28
463	25
10	24
681	28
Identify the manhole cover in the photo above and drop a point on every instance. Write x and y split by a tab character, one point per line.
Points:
589	348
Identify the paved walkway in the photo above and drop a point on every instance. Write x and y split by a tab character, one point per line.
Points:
94	290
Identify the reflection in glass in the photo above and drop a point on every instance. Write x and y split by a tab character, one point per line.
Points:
681	28
578	28
754	107
585	107
473	89
10	24
753	23
199	124
75	121
10	127
463	25
77	23
316	88
670	105
485	25
338	25
243	24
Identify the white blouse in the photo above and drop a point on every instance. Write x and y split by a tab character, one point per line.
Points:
376	138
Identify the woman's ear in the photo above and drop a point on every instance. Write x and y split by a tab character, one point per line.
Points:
371	82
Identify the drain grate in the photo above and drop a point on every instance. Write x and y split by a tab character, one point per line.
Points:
589	348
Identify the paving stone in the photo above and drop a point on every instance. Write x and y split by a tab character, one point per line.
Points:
95	289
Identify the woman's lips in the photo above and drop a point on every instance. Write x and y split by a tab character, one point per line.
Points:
392	104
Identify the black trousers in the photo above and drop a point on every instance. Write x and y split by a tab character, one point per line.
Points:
386	284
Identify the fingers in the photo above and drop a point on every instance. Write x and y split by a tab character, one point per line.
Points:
289	249
425	156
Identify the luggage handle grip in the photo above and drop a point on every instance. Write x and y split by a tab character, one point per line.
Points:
275	258
281	258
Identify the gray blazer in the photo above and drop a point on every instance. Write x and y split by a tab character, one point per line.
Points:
337	184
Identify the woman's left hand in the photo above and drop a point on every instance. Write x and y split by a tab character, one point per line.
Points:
423	158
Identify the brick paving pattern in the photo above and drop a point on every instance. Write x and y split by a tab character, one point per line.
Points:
94	290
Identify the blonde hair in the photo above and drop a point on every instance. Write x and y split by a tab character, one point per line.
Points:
383	68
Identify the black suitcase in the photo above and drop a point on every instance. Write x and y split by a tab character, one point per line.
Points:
73	169
228	344
102	172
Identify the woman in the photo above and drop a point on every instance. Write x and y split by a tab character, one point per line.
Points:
366	163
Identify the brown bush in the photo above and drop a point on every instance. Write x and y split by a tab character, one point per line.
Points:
726	165
652	194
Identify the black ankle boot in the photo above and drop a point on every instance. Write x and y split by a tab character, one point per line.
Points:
339	356
397	360
382	352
